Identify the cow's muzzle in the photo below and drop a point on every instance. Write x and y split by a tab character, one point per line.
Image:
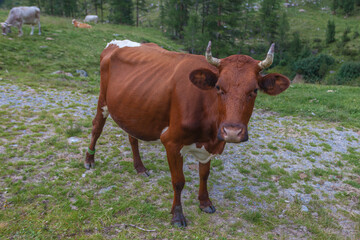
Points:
233	133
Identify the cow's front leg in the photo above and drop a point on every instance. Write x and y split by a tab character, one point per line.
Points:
20	30
205	203
175	161
32	30
138	164
39	25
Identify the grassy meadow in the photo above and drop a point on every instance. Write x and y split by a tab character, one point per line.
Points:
45	193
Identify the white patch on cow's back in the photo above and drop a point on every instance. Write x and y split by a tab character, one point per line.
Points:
105	112
123	43
200	154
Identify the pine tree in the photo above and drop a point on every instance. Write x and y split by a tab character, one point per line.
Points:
69	8
282	39
348	6
140	6
330	32
270	19
334	6
176	17
121	12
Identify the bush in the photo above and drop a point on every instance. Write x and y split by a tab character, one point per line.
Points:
314	68
349	71
330	32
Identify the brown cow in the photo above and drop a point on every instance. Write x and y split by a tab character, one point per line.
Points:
191	103
80	24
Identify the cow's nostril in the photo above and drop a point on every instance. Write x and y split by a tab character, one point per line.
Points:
225	132
239	132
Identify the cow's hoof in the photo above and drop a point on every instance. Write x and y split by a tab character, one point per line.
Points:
89	165
144	174
181	224
178	219
208	209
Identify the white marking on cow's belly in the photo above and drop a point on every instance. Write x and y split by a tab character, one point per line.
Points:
200	154
105	112
123	43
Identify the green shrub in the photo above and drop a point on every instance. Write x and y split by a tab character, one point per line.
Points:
314	68
330	32
348	73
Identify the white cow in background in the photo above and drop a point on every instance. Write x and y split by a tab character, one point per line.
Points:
22	15
91	18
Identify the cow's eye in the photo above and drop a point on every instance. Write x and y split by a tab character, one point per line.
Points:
219	90
255	91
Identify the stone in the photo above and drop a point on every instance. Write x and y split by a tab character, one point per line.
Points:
104	190
72	140
304	208
82	73
60	72
298	79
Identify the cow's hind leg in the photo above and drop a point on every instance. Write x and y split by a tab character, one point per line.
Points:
138	164
39	28
98	124
205	203
32	30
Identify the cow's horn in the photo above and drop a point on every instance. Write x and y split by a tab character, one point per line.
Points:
210	58
269	58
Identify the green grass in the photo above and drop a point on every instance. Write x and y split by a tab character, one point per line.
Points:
341	106
32	59
49	195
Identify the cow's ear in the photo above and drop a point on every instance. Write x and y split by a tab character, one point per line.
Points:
203	78
274	83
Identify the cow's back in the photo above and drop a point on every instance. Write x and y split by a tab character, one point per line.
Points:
138	91
28	14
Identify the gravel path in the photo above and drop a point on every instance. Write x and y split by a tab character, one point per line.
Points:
292	159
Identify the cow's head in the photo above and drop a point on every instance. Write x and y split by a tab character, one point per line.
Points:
237	86
5	27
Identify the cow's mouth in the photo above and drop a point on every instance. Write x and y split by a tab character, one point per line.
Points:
233	133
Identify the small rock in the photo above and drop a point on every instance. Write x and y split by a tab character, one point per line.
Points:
83	175
116	35
49	39
43	46
302	10
62	72
193	167
82	73
302	175
275	178
127	159
106	189
1	79
315	214
298	79
330	91
304	208
73	140
74	207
